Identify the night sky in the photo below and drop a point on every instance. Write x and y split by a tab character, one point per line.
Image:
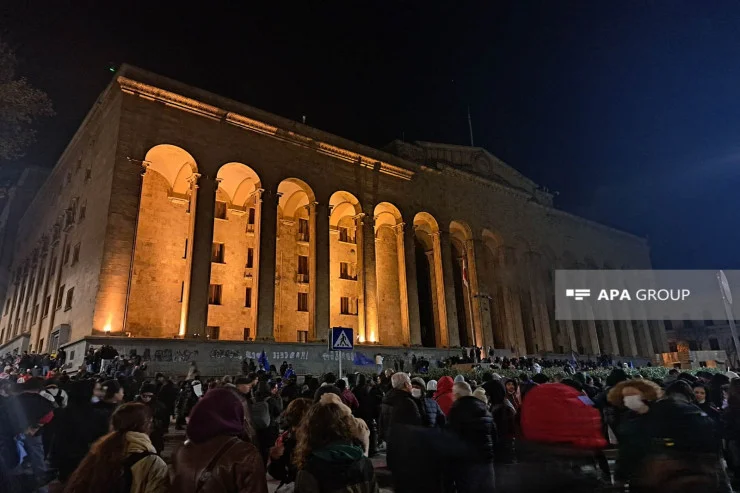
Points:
630	110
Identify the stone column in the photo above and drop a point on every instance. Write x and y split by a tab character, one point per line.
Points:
645	344
446	284
200	269
409	283
254	302
568	328
479	291
402	290
516	341
661	337
320	280
539	302
185	303
267	227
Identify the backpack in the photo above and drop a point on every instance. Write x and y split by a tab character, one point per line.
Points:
261	415
128	464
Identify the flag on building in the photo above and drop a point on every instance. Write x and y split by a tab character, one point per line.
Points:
263	361
362	360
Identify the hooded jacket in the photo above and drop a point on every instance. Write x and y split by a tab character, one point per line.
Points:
443	395
470	419
338	467
148	475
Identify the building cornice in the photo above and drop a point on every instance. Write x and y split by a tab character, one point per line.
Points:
153	93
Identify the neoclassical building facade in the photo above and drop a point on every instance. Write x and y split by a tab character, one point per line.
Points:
176	213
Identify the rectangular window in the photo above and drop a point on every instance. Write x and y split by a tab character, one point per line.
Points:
347	305
303	264
35	314
345	235
302	302
214	294
248	298
47	304
217	253
220	211
60	297
250	258
302	336
713	344
76	254
185	253
247	334
212	332
65	254
347	271
303	230
70	296
83	210
41	345
250	216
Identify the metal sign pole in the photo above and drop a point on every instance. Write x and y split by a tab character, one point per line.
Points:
339	353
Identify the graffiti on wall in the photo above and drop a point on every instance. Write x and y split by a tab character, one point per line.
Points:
290	355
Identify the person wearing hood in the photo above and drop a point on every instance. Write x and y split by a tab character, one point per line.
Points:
160	414
327	455
218	454
443	395
431	415
470	420
124	459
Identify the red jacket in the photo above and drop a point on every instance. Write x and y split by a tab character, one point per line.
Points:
558	414
443	395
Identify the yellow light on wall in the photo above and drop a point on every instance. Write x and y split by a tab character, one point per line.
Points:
107	328
360	339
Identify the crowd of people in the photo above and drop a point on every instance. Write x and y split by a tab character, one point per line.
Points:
104	428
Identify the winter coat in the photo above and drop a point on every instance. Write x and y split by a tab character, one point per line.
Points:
148	475
337	468
350	400
103	412
235	467
443	396
431	414
397	414
470	419
74	431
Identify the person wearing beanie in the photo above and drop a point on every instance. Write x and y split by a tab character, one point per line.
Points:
431	388
218	439
431	414
459	378
480	394
160	414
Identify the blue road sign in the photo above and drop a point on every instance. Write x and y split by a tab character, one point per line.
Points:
342	339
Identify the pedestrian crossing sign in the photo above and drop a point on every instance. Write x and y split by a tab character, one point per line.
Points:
341	339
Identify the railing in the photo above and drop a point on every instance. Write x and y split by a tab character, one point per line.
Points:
302	236
301	278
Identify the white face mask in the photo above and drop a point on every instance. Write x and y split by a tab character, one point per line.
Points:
634	402
416	393
94	399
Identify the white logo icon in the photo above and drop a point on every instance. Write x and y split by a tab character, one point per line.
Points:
342	341
578	294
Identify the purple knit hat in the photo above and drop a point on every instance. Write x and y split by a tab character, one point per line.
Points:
218	413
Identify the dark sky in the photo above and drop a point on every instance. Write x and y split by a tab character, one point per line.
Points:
630	110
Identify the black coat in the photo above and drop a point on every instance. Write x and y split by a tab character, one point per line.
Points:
470	419
398	408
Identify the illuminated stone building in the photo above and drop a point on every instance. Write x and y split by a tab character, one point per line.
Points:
176	213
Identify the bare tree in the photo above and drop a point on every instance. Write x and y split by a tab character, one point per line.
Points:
21	106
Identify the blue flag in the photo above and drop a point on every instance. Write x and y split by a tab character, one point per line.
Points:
362	360
263	361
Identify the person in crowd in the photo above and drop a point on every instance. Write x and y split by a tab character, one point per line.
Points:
431	414
525	385
348	398
282	466
611	414
480	394
470	420
512	394
369	401
160	414
290	391
265	413
72	429
431	388
399	412
218	454
731	426
329	385
443	395
283	368
21	448
124	459
57	395
701	393
190	392
326	454
245	384
112	398
167	394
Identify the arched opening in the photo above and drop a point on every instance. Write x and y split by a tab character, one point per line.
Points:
345	266
391	276
232	304
460	235
429	280
157	305
295	269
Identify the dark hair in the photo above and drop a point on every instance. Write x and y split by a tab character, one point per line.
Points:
361	381
681	387
617	375
341	384
111	388
704	386
330	378
540	378
103	465
573	383
687	377
295	412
